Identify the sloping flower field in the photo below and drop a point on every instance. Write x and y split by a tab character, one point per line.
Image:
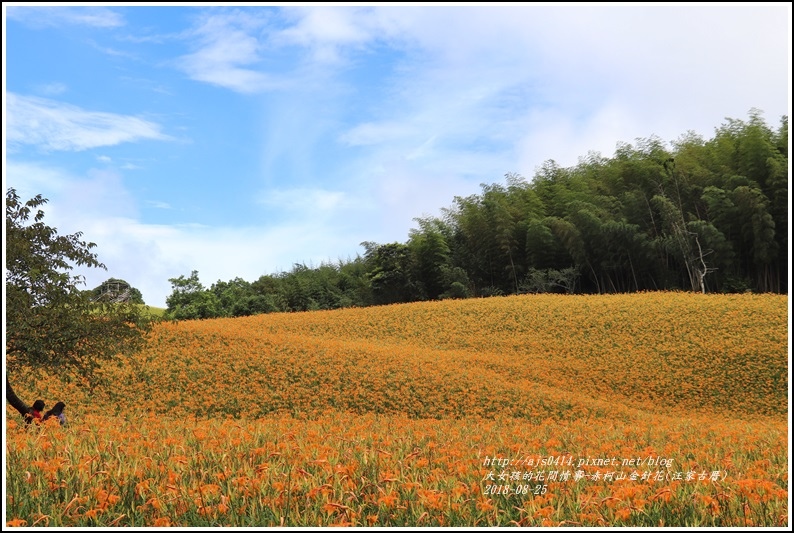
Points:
645	409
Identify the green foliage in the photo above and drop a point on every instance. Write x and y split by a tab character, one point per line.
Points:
49	320
329	286
429	246
117	290
550	280
390	273
457	290
189	300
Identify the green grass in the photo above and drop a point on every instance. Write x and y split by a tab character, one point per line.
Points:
158	312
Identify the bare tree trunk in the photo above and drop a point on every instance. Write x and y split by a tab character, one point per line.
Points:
634	275
513	268
705	270
595	277
14	400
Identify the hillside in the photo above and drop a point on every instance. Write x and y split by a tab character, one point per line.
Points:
518	356
394	415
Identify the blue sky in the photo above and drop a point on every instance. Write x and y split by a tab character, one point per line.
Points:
237	141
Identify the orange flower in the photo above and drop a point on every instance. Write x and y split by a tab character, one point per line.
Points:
388	500
394	410
332	508
544	512
485	505
93	513
623	514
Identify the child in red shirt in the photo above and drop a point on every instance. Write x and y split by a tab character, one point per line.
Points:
35	413
38	407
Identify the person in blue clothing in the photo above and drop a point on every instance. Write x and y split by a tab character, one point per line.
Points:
57	412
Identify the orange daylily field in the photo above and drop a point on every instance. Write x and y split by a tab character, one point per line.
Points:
651	409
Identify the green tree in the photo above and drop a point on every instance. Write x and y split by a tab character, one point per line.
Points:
354	283
390	273
543	250
473	246
589	220
50	322
190	300
117	290
503	225
758	235
270	293
430	248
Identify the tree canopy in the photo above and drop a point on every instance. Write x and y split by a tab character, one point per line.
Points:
50	322
117	290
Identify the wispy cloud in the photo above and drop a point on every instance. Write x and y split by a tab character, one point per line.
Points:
235	49
369	133
328	31
365	117
535	82
114	52
305	200
53	125
327	25
51	89
148	84
156	204
228	52
43	17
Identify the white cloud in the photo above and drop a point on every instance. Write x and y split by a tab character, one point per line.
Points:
464	95
233	47
327	30
327	24
30	179
147	255
112	51
226	52
42	17
370	133
158	204
51	89
219	63
537	82
303	200
53	125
